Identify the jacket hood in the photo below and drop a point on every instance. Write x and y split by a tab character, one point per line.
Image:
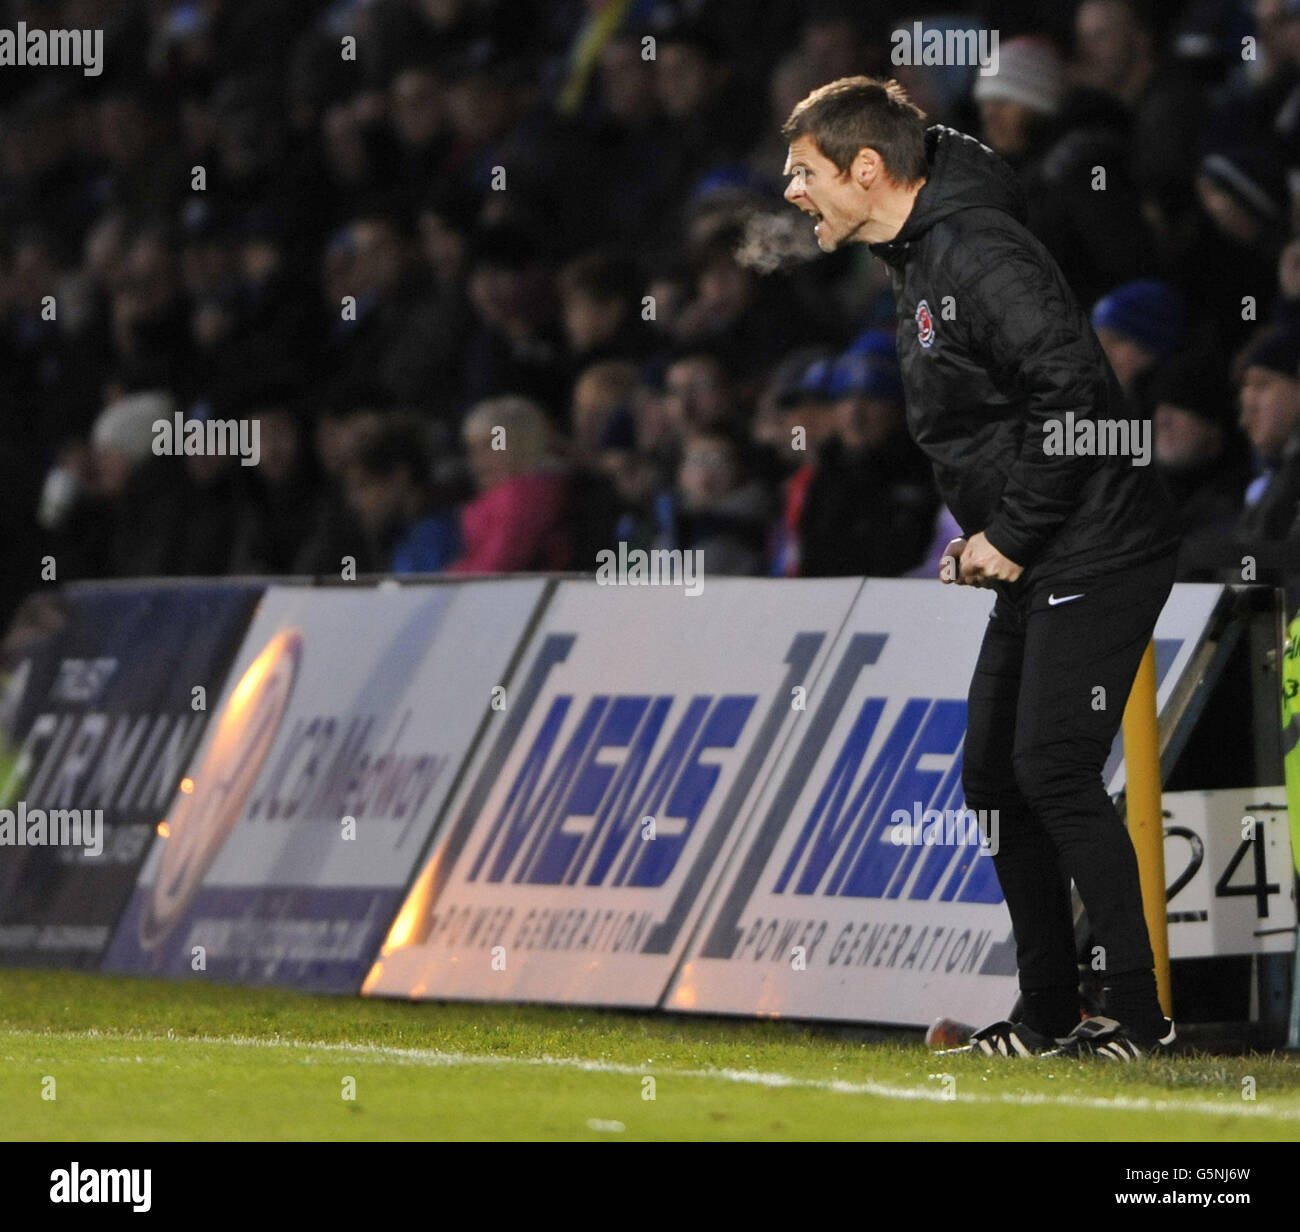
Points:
964	174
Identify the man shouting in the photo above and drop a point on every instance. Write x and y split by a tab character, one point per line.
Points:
1001	367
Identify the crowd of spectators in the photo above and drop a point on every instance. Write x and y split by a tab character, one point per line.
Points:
402	234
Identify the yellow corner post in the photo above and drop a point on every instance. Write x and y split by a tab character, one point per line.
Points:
1145	819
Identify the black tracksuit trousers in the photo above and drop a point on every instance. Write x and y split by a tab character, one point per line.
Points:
1046	699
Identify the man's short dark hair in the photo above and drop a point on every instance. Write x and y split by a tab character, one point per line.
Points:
845	115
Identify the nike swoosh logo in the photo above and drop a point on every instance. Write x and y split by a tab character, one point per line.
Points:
1052	600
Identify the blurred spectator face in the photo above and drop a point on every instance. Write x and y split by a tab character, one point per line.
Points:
104	250
817	419
1278	31
669	295
417	107
496	292
345	151
444	247
1127	358
627	83
727	286
597	393
1226	212
489	466
1005	125
110	471
259	259
685	80
1270	409
633	476
650	410
377	500
279	443
151	274
211	324
520	432
1288	270
768	428
697	393
589	321
1109	44
378	257
866	423
443	14
709	470
206	469
333	439
1184	439
793	79
481	112
834	45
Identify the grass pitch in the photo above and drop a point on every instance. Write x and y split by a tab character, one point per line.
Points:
145	1060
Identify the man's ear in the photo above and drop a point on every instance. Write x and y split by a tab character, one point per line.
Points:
866	166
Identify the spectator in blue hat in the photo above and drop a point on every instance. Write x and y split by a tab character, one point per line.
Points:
871	503
1138	325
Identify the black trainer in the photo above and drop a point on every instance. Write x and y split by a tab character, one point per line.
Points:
1006	1039
1104	1037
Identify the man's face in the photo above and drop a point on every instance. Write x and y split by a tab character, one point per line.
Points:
838	202
1128	358
1106	41
376	500
1270	409
684	81
589	322
1005	125
696	393
865	422
1183	438
707	472
489	466
816	417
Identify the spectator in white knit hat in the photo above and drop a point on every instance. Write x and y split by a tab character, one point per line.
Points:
120	439
123	437
1029	84
1055	137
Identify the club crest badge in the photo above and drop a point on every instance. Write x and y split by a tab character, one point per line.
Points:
924	324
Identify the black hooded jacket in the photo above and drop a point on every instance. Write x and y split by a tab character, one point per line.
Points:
994	347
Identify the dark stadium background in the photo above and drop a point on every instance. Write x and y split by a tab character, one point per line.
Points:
505	188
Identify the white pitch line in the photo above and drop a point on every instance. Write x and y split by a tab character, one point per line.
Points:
435	1058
